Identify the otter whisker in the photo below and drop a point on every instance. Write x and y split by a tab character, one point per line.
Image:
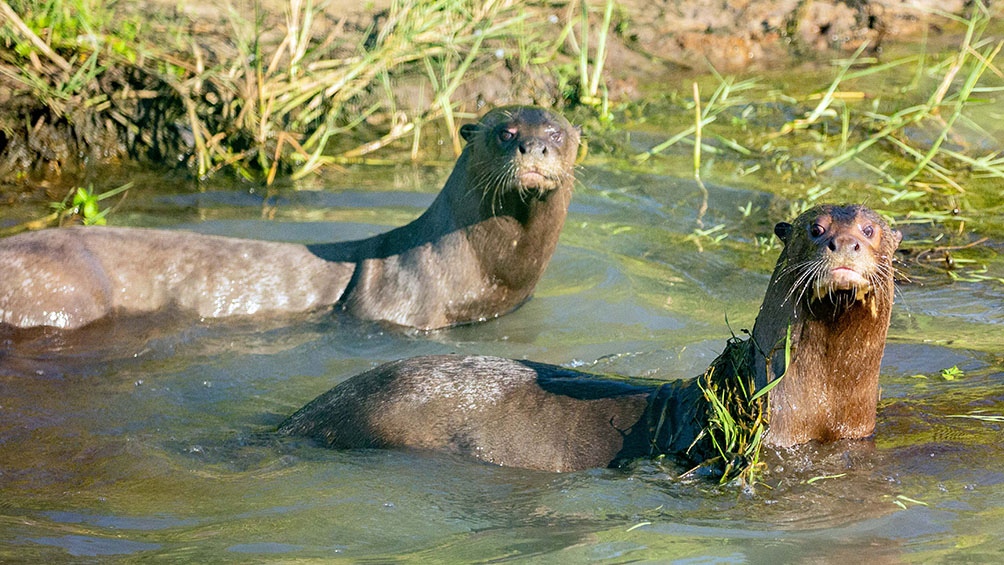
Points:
809	271
792	267
492	187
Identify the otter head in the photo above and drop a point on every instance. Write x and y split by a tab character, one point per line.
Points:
840	256
522	150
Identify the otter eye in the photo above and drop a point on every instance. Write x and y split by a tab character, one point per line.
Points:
556	136
507	134
817	230
868	230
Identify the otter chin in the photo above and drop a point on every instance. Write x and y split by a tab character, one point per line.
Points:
828	303
476	253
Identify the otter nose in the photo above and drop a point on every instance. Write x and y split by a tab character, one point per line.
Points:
845	243
532	146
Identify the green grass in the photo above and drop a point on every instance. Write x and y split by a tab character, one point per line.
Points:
865	114
873	132
738	412
293	102
903	133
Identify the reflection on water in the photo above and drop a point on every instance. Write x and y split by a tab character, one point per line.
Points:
142	439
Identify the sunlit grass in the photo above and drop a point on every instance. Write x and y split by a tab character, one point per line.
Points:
910	144
293	102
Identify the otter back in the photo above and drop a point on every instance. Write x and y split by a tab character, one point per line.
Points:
513	413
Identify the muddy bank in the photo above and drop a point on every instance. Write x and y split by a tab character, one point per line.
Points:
140	104
738	36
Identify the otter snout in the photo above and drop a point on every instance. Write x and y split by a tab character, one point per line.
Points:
844	243
533	147
844	264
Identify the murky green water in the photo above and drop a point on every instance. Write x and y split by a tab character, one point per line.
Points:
153	440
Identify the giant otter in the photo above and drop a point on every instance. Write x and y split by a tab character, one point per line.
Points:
475	254
832	286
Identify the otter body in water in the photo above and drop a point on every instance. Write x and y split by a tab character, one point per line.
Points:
475	254
832	286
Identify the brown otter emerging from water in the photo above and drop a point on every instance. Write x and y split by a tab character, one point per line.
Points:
833	286
475	254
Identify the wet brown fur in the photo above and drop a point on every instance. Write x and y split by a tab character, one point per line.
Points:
830	391
539	416
475	254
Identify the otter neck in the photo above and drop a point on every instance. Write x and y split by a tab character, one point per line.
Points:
512	235
830	389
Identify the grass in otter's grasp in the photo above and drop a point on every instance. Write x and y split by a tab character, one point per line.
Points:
738	414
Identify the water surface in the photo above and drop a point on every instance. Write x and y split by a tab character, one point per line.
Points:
153	440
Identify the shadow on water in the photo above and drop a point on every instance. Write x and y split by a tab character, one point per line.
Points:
151	438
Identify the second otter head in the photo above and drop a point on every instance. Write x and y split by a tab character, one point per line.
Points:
526	149
838	255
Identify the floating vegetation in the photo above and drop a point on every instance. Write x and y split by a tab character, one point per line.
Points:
904	134
981	416
81	205
738	413
952	373
903	500
818	478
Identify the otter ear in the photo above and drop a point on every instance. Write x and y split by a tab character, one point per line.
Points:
467	131
783	231
897	236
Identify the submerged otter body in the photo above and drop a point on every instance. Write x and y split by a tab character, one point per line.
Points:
475	254
833	285
503	411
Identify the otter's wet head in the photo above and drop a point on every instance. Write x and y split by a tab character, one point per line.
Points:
539	147
843	257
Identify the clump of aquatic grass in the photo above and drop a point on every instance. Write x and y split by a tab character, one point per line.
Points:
86	204
714	235
590	74
900	133
738	413
730	93
952	373
582	82
933	165
291	104
981	416
726	96
287	102
902	501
